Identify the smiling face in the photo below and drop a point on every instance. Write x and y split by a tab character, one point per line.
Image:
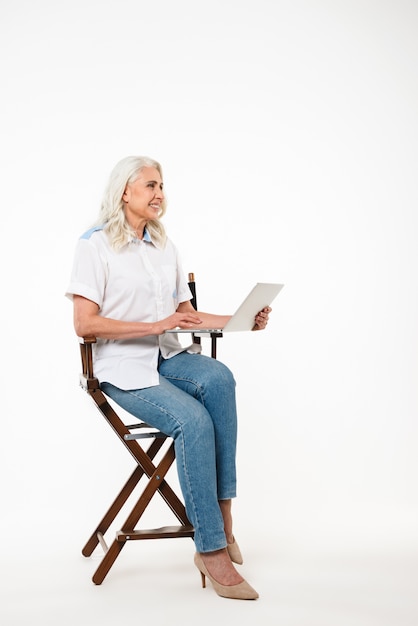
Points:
143	198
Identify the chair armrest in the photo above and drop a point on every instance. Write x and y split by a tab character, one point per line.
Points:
87	377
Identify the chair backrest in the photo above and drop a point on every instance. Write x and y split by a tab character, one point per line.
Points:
192	285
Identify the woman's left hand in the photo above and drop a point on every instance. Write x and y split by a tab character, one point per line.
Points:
262	318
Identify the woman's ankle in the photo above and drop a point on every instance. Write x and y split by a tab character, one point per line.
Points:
226	506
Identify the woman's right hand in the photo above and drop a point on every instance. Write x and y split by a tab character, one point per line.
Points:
179	319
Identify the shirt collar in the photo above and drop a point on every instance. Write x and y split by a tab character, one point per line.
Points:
146	237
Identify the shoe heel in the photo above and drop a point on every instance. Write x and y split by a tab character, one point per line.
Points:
203	577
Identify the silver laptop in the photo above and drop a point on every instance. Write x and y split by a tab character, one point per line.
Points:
260	296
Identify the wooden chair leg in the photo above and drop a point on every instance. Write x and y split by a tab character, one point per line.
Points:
104	524
156	482
107	562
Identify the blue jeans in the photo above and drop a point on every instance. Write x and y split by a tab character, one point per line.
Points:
195	405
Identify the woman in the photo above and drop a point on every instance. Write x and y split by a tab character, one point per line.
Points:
128	288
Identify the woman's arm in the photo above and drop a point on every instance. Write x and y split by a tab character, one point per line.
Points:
208	320
218	321
88	322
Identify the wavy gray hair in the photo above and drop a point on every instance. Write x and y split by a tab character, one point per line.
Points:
112	215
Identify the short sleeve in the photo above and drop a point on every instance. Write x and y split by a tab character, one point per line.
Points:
89	273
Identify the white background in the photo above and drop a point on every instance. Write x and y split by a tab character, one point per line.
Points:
288	136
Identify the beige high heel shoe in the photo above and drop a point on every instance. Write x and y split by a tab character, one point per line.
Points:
235	553
242	591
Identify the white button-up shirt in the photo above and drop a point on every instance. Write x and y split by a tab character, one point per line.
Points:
138	283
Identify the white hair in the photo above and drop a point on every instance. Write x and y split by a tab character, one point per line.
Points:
112	214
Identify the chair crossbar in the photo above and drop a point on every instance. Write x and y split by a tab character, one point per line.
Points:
151	432
166	532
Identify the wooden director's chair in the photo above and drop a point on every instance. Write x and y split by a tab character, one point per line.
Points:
134	437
